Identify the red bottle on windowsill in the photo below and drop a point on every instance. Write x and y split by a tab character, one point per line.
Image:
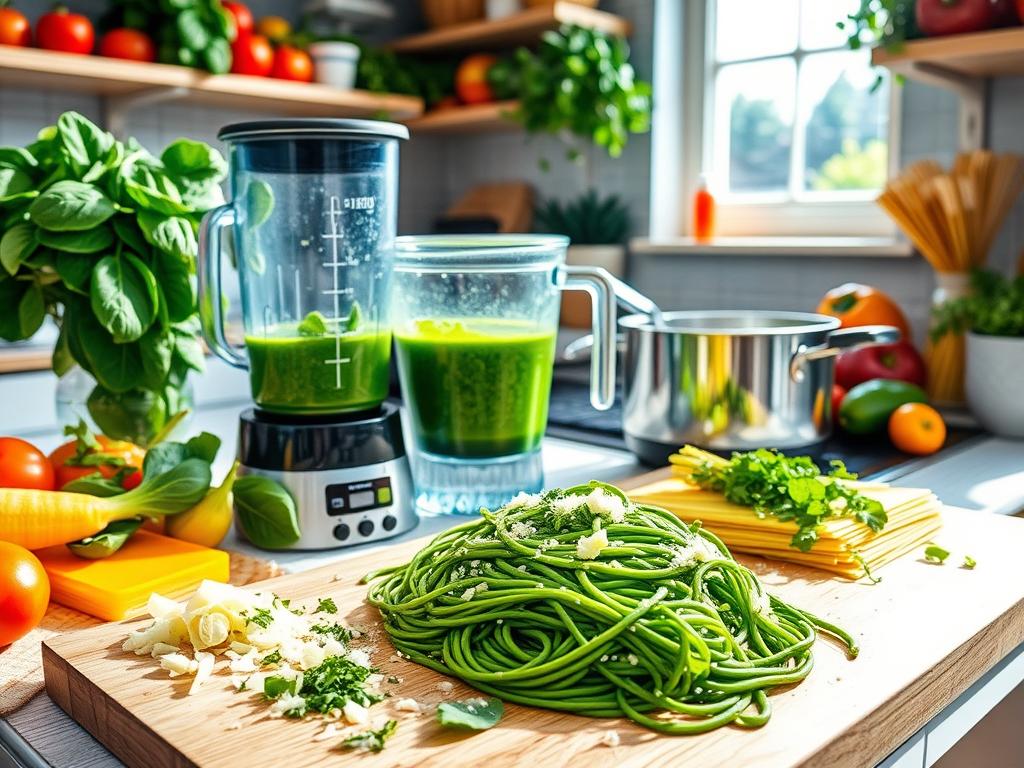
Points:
703	213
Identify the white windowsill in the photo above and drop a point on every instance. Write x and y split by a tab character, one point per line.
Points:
777	246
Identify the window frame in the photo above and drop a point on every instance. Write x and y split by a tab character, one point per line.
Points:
839	214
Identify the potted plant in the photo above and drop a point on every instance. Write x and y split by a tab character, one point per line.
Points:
100	236
597	229
992	319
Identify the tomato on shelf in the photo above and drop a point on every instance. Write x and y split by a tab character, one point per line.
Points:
125	43
917	428
88	454
252	55
471	84
292	64
22	465
277	29
24	592
242	16
855	305
14	28
61	30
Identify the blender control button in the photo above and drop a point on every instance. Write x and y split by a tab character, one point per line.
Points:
341	532
366	527
389	522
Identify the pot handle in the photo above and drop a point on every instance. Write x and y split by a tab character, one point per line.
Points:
837	341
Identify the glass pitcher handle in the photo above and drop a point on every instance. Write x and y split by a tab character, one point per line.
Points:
601	287
211	310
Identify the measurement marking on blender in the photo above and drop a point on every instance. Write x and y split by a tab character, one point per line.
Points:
333	236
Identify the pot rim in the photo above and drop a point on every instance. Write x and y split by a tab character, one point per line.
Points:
760	322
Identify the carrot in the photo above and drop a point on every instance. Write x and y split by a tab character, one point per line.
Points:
36	519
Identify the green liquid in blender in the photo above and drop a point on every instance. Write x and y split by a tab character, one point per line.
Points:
476	388
290	373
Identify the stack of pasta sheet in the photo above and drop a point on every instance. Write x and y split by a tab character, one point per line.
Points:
845	546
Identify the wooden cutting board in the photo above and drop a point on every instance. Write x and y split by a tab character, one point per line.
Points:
926	632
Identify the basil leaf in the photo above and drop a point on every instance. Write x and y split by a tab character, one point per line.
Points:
131	414
83	143
189	350
156	348
106	542
173	235
313	324
117	367
123	296
266	512
259	203
193	161
70	206
17	245
177	288
94	485
74	270
11	293
148	186
204	446
163	456
31	311
18	159
129	232
13	182
88	241
475	714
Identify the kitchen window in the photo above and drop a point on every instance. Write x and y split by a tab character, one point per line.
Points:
797	129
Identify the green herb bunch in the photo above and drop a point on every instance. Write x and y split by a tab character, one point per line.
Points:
193	33
887	23
995	307
586	220
790	488
101	236
579	81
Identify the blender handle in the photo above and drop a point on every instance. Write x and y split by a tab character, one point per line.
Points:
601	287
211	311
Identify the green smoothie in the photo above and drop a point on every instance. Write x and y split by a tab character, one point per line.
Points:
292	373
476	388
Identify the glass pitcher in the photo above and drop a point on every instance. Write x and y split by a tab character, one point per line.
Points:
313	211
475	322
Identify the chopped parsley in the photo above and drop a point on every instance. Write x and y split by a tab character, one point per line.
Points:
372	740
337	631
969	563
262	618
326	605
933	553
272	658
329	685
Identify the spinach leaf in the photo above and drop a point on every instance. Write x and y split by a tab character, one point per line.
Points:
156	349
131	414
123	297
31	311
87	241
17	245
188	350
177	288
313	324
172	234
217	56
259	203
475	714
83	143
130	233
11	293
193	161
266	512
74	270
106	542
94	485
163	456
70	206
13	182
62	360
118	367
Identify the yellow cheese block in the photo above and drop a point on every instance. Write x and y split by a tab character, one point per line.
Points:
118	587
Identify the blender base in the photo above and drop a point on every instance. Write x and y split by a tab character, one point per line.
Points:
446	485
349	478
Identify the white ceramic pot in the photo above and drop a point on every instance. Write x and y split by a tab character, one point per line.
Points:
335	63
995	373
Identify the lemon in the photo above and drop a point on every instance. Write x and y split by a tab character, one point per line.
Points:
206	523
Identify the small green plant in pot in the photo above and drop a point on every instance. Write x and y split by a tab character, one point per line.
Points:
992	319
597	228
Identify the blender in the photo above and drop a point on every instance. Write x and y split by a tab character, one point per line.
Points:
311	221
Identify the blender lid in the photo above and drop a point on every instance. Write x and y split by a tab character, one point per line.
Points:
314	126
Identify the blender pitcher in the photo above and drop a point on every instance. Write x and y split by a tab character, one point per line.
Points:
475	320
313	209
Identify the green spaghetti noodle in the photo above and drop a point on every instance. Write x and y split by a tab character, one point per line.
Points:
581	601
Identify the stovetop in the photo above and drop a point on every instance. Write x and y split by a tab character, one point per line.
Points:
570	416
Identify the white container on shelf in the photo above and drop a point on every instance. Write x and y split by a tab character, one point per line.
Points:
499	9
995	371
335	63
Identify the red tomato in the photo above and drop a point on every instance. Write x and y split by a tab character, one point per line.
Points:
471	83
124	453
292	64
60	30
22	465
838	393
14	28
252	55
24	592
128	44
242	16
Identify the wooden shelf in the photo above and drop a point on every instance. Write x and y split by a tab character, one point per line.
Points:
31	68
981	54
17	358
522	28
476	118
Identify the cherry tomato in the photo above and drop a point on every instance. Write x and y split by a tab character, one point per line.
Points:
471	83
24	592
292	64
125	43
130	454
242	16
14	28
252	55
274	28
917	428
22	465
61	30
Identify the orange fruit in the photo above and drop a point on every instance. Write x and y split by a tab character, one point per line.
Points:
471	83
917	428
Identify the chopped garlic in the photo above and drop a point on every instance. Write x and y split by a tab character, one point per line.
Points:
611	739
360	657
408	705
204	668
355	713
162	649
212	629
589	547
178	664
606	505
240	648
160	607
445	686
286	703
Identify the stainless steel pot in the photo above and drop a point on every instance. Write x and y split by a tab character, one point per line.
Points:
732	380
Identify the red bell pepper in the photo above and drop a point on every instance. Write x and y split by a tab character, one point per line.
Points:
956	17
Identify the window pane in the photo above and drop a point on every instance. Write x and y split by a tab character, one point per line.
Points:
818	22
753	126
845	122
749	29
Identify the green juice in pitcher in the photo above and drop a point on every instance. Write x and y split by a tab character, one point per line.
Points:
476	388
294	371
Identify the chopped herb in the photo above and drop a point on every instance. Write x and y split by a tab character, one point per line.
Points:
475	714
261	618
326	605
275	686
372	740
337	631
244	685
335	681
393	679
271	658
969	563
935	554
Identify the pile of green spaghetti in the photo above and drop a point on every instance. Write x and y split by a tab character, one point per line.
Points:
581	601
